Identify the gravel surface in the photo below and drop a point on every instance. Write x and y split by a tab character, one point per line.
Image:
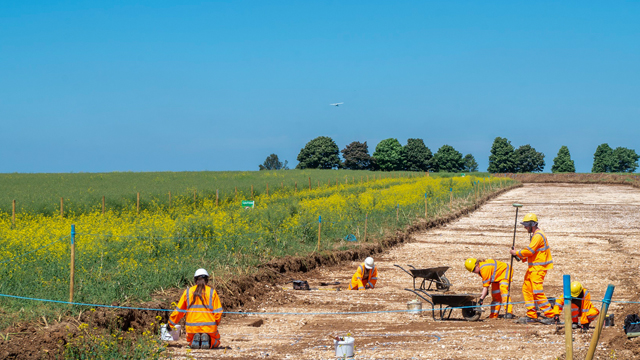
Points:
592	233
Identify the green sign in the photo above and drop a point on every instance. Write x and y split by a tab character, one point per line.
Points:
248	204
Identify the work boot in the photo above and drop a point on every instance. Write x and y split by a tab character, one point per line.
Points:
509	316
195	342
526	320
205	341
546	321
556	318
574	325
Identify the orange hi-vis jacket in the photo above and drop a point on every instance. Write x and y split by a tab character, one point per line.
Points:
586	312
493	271
201	318
358	283
538	253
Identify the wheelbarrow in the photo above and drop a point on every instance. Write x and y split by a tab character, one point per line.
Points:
445	303
435	276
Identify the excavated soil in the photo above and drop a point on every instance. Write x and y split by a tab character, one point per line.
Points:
593	236
591	229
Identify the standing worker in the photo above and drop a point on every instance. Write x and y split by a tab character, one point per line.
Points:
204	311
496	274
538	255
582	310
365	277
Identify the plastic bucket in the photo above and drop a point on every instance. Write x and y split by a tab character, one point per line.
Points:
173	335
414	307
344	348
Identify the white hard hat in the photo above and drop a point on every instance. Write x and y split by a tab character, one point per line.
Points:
368	263
201	272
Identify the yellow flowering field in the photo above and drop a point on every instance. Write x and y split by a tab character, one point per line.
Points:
123	256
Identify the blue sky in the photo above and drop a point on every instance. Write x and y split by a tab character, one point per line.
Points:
163	86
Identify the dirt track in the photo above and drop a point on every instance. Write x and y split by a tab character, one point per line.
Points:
593	237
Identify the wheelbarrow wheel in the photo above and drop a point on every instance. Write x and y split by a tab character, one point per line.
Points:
471	313
444	284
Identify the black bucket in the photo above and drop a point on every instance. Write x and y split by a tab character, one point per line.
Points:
608	320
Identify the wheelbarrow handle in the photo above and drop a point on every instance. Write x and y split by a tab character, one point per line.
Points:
423	298
411	266
400	267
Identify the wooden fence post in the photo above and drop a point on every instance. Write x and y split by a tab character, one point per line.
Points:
13	213
451	199
169	199
329	183
236	195
103	205
296	188
138	204
366	219
568	338
267	189
218	195
73	262
61	208
397	213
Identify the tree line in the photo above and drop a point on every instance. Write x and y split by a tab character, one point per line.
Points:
505	158
389	155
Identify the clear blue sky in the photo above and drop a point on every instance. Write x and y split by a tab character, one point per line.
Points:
154	86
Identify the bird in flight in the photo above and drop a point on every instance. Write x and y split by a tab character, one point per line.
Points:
336	104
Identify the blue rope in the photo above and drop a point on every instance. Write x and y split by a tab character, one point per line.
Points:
29	252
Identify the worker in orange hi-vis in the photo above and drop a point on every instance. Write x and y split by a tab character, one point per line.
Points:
494	274
538	255
582	310
204	311
365	277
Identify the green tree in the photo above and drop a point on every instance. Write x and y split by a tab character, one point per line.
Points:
625	160
273	163
563	163
356	156
448	159
503	157
389	155
603	160
417	156
470	164
319	153
528	159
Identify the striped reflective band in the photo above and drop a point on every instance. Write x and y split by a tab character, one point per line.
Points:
360	287
358	277
172	323
540	263
200	307
187	298
496	291
530	249
374	278
538	291
214	323
217	310
211	298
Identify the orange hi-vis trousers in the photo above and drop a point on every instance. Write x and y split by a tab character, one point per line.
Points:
534	294
500	294
215	339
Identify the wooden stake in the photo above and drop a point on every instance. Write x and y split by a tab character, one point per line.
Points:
236	196
251	192
319	228
218	195
194	199
309	182
426	213
13	213
360	179
367	178
318	184
169	199
329	182
603	313
451	199
267	189
138	204
366	220
73	262
397	213
61	208
296	188
103	205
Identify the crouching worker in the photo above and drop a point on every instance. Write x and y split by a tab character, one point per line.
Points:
204	311
365	277
582	310
495	274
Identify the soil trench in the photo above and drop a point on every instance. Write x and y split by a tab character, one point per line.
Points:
592	234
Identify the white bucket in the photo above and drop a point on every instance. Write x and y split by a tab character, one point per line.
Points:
414	307
173	335
344	348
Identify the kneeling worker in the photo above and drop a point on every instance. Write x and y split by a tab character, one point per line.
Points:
204	311
365	277
496	274
582	310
